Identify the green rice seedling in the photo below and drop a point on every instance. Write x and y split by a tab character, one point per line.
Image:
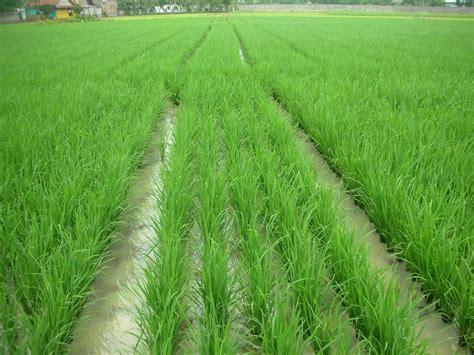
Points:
269	322
278	333
254	252
370	288
272	324
165	311
216	281
215	293
304	199
304	259
71	142
401	147
278	272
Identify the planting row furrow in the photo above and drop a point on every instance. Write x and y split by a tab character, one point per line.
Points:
164	313
216	283
299	296
437	335
363	291
273	327
303	257
63	191
108	322
217	294
180	309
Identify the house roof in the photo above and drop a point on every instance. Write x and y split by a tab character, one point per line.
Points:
59	4
64	4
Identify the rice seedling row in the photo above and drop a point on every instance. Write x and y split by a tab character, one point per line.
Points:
360	286
165	317
248	248
109	319
72	176
402	190
404	340
430	326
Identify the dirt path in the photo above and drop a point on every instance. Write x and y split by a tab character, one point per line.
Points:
108	323
440	337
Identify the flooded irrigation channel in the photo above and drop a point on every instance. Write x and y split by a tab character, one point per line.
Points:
108	323
440	337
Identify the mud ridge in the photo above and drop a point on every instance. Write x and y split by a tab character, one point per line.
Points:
241	55
129	59
290	44
242	51
109	320
440	337
197	45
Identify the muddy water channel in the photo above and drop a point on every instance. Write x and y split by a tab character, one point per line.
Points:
441	337
108	323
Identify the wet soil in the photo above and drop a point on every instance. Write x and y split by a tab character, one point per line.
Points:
108	323
441	337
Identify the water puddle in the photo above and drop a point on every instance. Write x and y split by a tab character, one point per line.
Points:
441	337
241	51
241	55
108	323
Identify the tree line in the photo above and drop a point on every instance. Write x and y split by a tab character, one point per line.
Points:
143	6
361	2
131	7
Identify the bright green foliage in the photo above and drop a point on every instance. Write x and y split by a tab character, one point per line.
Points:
396	124
69	149
293	219
251	254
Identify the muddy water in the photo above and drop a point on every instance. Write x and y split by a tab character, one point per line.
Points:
441	337
108	323
241	55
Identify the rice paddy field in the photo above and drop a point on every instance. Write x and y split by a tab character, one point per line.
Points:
220	184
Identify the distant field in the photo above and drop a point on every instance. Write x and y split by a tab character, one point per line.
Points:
351	13
204	184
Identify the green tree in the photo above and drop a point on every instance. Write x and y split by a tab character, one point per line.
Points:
9	5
